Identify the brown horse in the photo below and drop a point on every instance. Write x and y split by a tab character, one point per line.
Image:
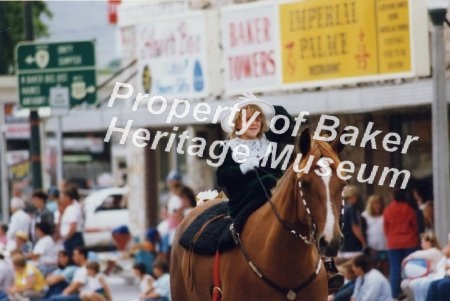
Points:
281	239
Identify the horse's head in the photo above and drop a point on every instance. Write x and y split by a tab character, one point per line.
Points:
320	191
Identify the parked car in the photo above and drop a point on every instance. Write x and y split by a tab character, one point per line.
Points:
105	210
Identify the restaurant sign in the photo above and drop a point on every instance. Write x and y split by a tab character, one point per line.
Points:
348	41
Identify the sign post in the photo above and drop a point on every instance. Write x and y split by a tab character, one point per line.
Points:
44	67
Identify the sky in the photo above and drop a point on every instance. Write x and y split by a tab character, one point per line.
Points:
84	20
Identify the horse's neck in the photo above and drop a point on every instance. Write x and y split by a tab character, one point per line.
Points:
273	247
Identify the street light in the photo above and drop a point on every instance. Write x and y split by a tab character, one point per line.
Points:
438	10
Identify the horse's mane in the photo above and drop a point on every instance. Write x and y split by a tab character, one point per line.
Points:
319	149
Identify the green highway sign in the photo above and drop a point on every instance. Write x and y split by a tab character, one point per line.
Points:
62	70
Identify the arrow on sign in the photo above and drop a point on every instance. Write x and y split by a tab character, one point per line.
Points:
29	60
90	89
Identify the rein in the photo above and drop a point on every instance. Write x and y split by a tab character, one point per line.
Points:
311	240
291	294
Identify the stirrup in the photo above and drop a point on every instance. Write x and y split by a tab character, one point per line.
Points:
234	234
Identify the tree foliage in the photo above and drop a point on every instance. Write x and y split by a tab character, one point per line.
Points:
12	28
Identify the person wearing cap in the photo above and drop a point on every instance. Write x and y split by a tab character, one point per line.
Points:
44	253
20	243
20	220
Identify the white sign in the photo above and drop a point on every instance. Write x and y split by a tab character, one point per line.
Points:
250	39
59	100
172	58
17	131
16	157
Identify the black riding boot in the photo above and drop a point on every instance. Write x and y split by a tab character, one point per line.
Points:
335	279
241	217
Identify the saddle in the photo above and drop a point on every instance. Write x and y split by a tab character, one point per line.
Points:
209	232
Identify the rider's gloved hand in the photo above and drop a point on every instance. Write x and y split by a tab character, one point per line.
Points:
248	165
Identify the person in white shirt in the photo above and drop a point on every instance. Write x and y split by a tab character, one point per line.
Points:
71	221
79	280
145	280
416	289
44	253
96	288
371	285
20	220
372	225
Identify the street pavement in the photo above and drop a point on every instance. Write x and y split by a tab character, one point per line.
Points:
121	290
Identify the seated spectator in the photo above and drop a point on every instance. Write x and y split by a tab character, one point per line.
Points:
3	236
147	252
432	254
145	280
60	278
6	275
160	291
96	288
345	293
80	278
422	285
371	285
28	281
20	243
44	253
439	290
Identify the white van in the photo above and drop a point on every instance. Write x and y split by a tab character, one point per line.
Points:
105	210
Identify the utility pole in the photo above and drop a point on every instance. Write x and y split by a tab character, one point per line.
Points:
439	108
35	142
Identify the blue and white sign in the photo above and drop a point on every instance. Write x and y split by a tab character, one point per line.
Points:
172	56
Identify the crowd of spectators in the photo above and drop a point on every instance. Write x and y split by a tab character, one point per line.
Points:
42	253
381	239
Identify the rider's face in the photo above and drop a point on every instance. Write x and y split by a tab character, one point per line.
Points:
255	127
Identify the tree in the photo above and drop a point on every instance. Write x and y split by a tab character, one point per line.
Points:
12	29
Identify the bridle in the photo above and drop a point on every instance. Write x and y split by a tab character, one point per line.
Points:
310	239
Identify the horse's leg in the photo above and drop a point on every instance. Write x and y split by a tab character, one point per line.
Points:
177	282
190	274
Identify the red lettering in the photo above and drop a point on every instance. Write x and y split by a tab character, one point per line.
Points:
253	65
255	31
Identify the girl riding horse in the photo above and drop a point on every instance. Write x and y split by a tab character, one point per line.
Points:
247	183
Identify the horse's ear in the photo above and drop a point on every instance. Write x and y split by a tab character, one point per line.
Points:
304	142
336	144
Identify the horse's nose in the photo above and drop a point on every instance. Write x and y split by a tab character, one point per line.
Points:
331	248
323	244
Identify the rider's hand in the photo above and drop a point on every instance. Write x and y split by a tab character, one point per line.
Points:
248	165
